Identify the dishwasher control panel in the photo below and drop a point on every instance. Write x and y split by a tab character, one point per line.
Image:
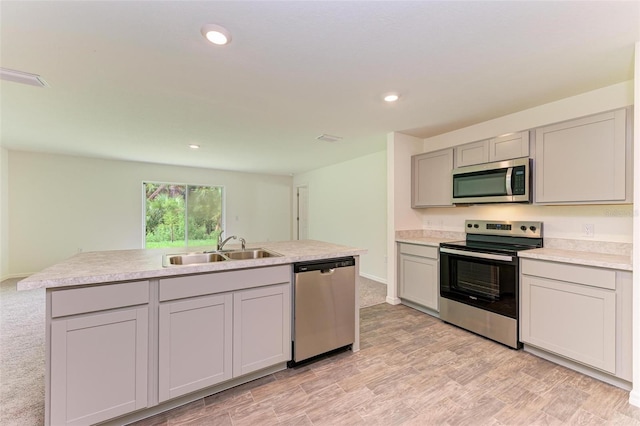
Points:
342	262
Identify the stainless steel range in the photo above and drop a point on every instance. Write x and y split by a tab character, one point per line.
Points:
479	286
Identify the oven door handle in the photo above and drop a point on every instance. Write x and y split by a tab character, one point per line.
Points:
477	254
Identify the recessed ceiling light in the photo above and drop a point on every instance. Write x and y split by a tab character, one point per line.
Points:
194	146
22	77
216	34
391	97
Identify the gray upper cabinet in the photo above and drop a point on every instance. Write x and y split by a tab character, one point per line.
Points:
472	153
507	147
583	161
431	179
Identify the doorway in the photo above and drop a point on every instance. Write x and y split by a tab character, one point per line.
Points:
302	212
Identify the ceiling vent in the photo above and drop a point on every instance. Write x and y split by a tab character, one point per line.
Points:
22	77
328	138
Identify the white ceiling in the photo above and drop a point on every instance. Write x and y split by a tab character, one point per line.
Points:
136	80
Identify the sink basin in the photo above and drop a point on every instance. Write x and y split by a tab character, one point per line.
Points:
250	254
191	258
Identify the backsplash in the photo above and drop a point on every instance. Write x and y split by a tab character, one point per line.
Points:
605	247
608	223
430	233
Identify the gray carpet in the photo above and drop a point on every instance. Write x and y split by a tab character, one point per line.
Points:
22	322
371	292
21	355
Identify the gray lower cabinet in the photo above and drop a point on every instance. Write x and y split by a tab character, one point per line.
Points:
194	344
98	346
219	326
117	348
578	312
262	328
419	275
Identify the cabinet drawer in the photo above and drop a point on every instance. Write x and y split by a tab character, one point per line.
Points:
595	277
98	298
220	282
418	250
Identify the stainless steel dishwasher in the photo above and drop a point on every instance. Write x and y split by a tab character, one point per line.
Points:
324	306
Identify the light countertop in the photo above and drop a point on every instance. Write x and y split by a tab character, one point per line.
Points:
425	241
127	265
612	261
577	257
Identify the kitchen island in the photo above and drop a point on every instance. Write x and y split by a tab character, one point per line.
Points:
127	338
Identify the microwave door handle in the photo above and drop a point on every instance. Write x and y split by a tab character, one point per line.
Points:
489	256
508	181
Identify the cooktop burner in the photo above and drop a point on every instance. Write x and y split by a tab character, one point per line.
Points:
499	236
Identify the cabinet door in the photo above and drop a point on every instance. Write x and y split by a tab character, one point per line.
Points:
582	160
507	147
99	366
195	344
262	328
431	179
472	153
572	320
419	280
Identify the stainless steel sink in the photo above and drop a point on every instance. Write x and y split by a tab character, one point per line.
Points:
191	258
217	256
250	254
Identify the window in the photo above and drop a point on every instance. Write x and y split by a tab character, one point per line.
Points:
182	215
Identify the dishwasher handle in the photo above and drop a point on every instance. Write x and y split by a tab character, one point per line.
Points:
324	264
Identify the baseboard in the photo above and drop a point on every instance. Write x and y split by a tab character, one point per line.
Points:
374	278
634	397
393	300
580	368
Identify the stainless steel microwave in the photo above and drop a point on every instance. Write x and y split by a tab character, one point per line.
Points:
499	182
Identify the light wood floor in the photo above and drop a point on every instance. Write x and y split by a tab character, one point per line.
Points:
413	369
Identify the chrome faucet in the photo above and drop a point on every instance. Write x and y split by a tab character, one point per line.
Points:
221	243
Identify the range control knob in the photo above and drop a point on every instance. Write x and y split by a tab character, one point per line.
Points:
523	228
469	225
533	228
476	226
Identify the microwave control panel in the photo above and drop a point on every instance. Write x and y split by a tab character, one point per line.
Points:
518	180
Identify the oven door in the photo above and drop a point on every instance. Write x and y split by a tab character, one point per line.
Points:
487	281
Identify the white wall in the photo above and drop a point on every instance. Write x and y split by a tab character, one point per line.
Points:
62	204
348	205
604	99
400	148
634	396
612	223
4	215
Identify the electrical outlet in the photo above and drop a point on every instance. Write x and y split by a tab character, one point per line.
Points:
588	229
